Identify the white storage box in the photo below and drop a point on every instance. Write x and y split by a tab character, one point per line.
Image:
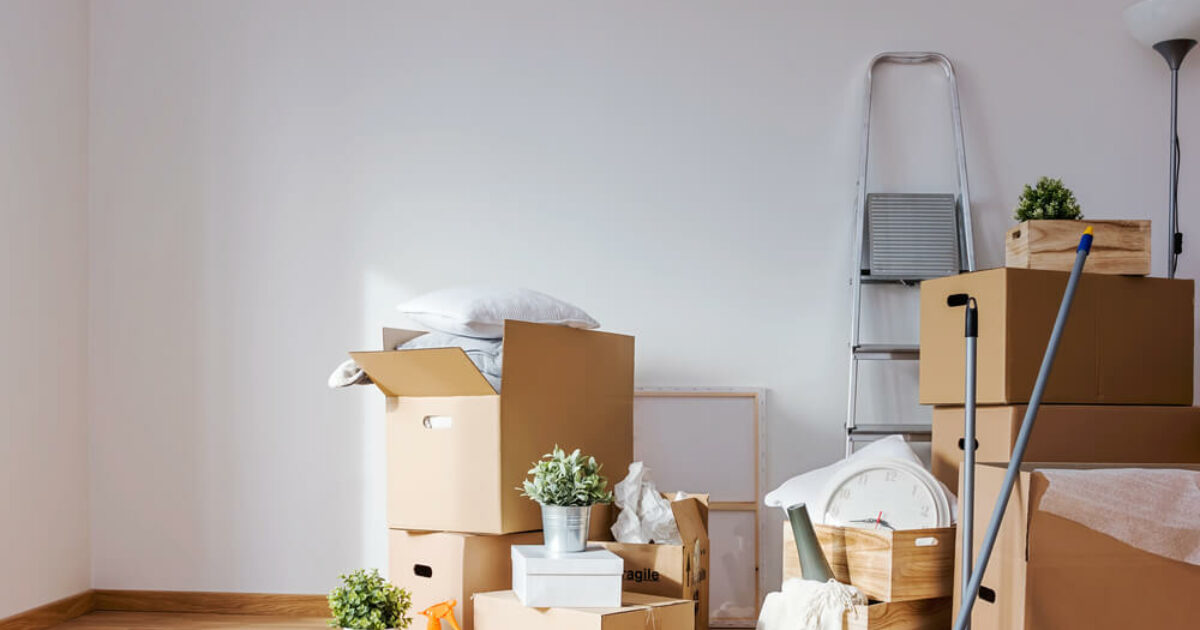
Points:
587	579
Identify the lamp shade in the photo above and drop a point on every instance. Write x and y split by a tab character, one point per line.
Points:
1154	21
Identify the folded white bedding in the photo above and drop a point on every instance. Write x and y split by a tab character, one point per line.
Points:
486	354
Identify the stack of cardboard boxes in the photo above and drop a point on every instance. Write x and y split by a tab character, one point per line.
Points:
1120	393
457	451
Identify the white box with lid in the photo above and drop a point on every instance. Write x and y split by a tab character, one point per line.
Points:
587	579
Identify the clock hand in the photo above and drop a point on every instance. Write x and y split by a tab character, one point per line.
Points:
880	521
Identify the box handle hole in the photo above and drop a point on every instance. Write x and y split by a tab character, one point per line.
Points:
423	570
962	442
926	541
1016	234
988	595
437	422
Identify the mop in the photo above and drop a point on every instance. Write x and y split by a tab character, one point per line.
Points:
966	522
971	590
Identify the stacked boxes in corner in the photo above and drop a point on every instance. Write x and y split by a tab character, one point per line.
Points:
457	449
1120	393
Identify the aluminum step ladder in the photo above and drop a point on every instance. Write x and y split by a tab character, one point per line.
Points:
903	238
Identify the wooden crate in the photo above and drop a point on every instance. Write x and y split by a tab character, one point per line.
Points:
886	565
919	614
1119	248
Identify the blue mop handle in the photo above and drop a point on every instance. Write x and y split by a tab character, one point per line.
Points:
1018	454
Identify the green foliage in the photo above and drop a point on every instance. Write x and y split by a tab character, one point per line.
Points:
561	479
366	601
1049	199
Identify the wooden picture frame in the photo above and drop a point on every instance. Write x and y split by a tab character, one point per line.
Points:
743	497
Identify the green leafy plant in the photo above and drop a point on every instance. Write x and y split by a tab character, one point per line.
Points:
366	601
568	480
1049	199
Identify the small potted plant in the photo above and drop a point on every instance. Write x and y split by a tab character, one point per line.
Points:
566	486
1048	214
366	601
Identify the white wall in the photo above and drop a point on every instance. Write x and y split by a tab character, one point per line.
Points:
270	177
43	302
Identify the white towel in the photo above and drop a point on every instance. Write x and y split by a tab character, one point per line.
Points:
1153	509
809	605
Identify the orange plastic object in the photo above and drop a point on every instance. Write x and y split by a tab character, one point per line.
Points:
438	612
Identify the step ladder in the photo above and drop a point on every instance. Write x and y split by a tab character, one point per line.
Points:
903	238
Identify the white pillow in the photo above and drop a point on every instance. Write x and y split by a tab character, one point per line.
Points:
480	311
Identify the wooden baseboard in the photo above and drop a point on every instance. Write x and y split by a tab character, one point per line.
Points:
68	608
280	605
52	614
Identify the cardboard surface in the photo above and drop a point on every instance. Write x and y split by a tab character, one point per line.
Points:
1070	433
457	451
1128	340
1049	573
886	565
676	571
436	566
502	611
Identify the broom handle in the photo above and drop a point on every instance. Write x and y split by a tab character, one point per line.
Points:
1014	465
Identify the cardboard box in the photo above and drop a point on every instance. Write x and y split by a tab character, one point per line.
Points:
677	571
457	450
917	614
1119	247
503	611
586	579
1069	433
886	565
1050	573
1128	340
437	566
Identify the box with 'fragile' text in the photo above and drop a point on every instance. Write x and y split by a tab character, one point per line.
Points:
678	571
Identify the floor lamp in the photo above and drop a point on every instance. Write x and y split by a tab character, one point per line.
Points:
1170	27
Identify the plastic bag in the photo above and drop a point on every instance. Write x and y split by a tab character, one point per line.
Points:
646	515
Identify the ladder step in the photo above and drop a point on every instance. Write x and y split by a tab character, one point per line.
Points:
867	432
886	352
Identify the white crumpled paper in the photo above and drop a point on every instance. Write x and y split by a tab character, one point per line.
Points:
646	516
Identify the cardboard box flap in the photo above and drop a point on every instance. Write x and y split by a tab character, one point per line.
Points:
691	515
394	337
426	372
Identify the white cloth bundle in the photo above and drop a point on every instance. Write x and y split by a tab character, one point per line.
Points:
809	605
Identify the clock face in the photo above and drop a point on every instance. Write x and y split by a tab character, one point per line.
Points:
892	494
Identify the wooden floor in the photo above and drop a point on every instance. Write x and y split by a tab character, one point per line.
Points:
188	621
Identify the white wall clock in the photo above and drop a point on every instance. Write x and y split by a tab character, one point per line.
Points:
892	493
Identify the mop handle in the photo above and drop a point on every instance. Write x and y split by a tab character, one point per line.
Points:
1014	465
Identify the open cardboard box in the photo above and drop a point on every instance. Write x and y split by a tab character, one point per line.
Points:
1051	573
457	450
676	571
1069	433
1128	340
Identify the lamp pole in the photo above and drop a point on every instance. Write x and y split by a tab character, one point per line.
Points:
1173	51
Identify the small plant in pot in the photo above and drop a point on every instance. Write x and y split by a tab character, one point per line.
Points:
566	486
366	601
